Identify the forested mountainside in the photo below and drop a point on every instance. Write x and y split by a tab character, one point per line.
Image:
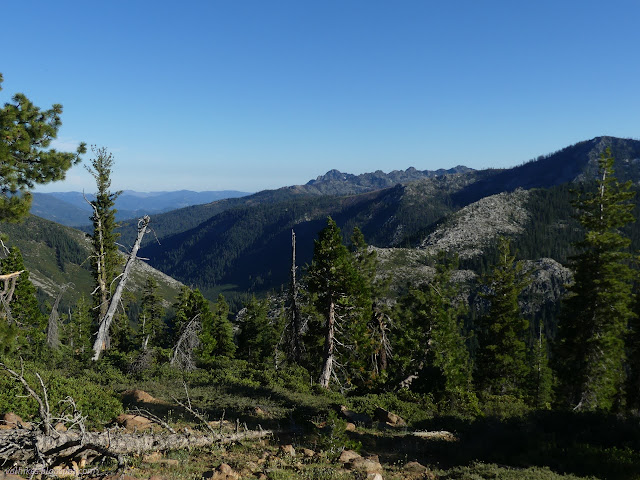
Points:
57	256
333	183
242	244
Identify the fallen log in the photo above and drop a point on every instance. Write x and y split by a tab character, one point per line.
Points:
28	447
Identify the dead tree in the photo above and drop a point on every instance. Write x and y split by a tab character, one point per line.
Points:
45	447
294	329
105	322
6	295
53	336
189	341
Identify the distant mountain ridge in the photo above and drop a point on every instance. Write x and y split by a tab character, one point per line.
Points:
335	182
71	208
243	243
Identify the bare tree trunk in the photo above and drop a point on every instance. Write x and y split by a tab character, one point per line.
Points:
329	346
6	295
296	324
105	322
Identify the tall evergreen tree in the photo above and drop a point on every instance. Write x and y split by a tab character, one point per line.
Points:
259	334
540	376
501	363
26	159
80	327
217	332
342	301
431	355
375	287
105	251
151	328
598	307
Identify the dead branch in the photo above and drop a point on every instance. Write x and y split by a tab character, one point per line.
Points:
143	412
192	410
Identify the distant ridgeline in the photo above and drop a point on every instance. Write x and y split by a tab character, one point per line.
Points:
72	209
243	243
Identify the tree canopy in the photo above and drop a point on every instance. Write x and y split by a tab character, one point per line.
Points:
26	159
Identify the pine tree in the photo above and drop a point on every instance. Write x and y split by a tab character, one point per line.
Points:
342	301
431	355
216	332
597	310
375	287
105	250
259	335
632	384
26	324
501	364
151	328
221	329
26	133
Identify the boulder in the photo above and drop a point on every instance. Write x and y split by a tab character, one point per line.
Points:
415	467
133	422
154	457
11	420
347	455
138	396
355	417
223	472
288	450
369	465
60	427
308	452
350	427
390	418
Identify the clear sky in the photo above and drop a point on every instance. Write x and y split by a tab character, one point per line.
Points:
248	95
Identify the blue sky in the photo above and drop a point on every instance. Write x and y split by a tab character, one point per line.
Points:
248	95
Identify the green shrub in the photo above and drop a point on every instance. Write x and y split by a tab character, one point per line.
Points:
99	404
411	407
503	406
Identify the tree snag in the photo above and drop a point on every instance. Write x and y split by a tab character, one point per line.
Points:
105	322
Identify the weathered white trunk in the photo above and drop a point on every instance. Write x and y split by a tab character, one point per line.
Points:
329	347
296	323
105	323
33	446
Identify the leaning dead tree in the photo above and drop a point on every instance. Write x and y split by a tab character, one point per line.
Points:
183	355
105	322
53	336
6	295
45	446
